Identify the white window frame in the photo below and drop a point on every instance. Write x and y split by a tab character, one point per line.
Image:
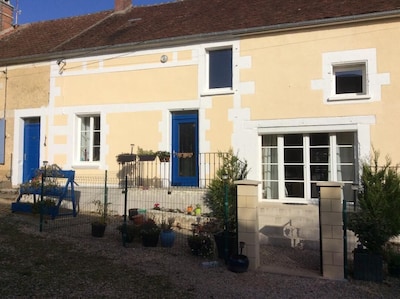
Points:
373	79
359	66
333	166
206	87
78	139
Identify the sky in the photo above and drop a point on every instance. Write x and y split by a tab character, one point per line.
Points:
42	10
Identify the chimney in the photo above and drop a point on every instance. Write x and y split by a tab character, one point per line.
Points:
120	5
6	14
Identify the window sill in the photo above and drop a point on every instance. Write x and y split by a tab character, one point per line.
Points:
88	165
298	201
349	97
217	91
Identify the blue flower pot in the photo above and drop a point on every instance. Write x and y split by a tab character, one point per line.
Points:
167	238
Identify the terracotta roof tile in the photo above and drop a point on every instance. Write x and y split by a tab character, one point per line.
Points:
174	20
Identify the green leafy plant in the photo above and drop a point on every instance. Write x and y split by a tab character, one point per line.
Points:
167	225
149	227
46	204
101	210
164	156
231	170
51	175
201	245
131	230
376	219
141	151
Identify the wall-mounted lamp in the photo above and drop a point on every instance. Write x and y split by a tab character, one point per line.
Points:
164	58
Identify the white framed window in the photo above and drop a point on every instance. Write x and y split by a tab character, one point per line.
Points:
89	132
292	164
219	72
350	76
350	79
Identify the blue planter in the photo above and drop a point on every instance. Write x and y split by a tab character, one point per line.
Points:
167	238
368	266
238	263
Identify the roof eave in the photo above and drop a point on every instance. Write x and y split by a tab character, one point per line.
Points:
199	38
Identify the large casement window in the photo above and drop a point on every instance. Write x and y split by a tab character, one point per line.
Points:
292	164
220	68
89	138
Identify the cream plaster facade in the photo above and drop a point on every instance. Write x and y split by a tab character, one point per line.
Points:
281	84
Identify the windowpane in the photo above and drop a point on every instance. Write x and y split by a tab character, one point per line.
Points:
319	155
96	138
345	138
220	68
269	140
350	79
314	190
96	125
270	155
85	144
345	154
294	189
96	153
346	172
319	172
85	124
319	139
270	172
293	155
270	190
293	139
294	172
348	192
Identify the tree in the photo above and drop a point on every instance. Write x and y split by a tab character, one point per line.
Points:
231	170
377	219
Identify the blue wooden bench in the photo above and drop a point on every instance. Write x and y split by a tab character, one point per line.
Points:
58	186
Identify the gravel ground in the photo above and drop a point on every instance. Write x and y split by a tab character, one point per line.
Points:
186	275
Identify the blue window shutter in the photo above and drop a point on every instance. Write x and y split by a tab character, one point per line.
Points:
2	139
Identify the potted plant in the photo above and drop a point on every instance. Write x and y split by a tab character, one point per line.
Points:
129	231
99	225
48	206
150	233
221	189
126	158
376	218
201	245
197	210
167	235
189	210
164	156
145	155
238	263
392	256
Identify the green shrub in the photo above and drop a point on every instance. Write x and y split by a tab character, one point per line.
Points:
376	219
232	169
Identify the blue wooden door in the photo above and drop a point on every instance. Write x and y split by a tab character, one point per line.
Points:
31	148
185	170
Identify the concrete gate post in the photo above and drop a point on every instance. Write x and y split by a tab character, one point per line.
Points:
331	230
247	201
